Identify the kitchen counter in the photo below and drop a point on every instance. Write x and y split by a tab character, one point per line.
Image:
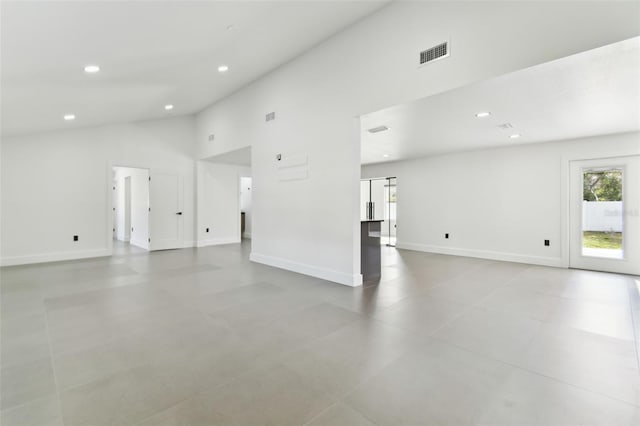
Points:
370	266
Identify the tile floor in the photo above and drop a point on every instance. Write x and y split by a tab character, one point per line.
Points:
205	337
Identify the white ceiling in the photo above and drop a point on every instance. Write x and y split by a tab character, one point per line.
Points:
592	93
151	53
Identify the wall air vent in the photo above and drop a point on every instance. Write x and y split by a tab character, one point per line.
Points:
211	137
436	52
270	117
378	129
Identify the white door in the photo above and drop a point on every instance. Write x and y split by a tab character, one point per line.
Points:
114	204
605	214
166	216
127	209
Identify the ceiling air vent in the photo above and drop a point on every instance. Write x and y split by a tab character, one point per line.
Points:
437	52
211	137
378	129
505	126
270	117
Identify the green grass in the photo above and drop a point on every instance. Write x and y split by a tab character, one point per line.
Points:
605	240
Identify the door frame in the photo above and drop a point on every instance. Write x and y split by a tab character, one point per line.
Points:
565	195
110	204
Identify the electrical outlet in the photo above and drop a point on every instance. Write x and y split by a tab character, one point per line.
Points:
207	229
75	238
446	236
546	243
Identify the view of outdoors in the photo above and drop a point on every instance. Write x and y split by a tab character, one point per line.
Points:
390	210
602	217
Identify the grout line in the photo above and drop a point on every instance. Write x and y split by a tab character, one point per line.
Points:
53	366
518	367
636	332
321	413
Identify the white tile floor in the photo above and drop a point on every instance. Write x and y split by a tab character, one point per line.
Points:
205	337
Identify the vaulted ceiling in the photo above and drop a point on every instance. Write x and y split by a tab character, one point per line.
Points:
150	54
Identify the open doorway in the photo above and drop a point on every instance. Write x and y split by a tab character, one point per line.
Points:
378	202
225	194
245	207
130	210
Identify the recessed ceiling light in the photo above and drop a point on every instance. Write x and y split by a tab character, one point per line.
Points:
168	107
385	155
69	117
515	136
223	68
483	114
91	69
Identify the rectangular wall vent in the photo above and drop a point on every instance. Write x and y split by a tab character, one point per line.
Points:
437	52
378	129
211	137
271	116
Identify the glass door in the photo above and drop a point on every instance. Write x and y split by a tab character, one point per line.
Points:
378	202
391	211
605	224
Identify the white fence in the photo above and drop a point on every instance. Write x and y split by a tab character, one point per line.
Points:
602	216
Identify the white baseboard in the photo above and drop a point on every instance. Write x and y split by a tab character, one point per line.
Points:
352	280
53	257
246	235
189	243
140	243
484	254
217	241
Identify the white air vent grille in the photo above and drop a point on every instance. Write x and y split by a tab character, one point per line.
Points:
270	117
211	137
505	126
437	52
378	129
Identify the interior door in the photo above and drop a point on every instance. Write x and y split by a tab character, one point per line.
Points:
127	209
166	215
605	215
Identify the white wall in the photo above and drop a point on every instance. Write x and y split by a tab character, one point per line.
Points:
245	204
494	203
58	184
139	208
219	202
370	66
